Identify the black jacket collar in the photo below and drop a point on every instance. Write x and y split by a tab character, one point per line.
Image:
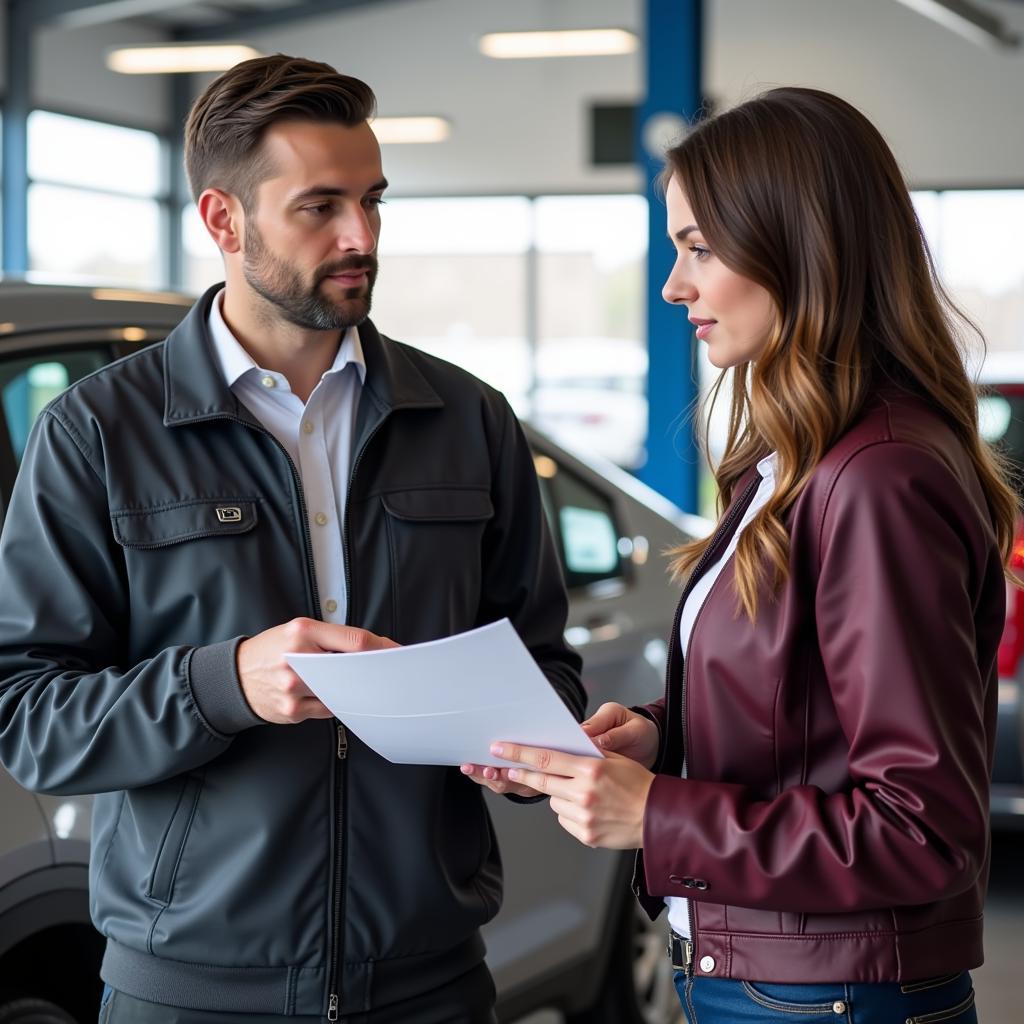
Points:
195	389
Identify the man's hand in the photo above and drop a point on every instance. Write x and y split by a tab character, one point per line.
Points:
617	729
272	689
600	801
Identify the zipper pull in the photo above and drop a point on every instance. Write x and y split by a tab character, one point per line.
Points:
688	962
342	754
332	1008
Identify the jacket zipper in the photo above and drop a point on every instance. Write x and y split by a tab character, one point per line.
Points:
341	776
737	510
342	748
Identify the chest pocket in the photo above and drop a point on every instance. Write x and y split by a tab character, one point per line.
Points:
435	537
183	564
190	520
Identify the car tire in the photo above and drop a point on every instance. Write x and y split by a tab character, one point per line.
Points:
638	986
24	1010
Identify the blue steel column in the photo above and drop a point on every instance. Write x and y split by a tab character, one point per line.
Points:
17	103
673	87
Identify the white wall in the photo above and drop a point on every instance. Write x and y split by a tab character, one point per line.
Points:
70	75
950	109
518	126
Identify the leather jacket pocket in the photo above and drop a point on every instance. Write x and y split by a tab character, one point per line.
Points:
188	520
165	868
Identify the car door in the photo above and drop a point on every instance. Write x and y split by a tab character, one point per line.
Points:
34	370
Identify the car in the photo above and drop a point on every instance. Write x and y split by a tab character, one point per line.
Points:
1001	419
570	934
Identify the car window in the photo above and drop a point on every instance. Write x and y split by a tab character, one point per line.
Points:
28	383
582	520
1001	422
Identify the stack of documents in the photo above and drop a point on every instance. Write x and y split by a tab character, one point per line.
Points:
445	701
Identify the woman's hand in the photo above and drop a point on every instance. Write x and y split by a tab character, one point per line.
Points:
616	729
600	801
496	780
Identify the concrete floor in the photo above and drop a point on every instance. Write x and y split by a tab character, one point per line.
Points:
1000	996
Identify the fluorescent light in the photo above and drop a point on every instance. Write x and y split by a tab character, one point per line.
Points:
966	20
590	42
164	58
410	129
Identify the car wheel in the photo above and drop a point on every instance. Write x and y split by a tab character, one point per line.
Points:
33	1011
638	986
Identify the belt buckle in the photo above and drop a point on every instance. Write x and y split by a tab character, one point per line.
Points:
676	952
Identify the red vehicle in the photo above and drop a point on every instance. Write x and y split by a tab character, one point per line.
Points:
1001	416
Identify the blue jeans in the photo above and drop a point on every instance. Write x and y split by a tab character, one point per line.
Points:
948	999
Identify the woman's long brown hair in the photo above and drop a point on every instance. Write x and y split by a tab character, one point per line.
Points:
797	191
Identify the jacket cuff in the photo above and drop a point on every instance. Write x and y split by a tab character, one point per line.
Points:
645	711
213	679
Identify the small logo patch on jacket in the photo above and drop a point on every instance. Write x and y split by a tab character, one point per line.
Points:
229	513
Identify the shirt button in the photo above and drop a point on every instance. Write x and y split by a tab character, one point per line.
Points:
321	519
839	1006
307	427
707	964
268	381
331	605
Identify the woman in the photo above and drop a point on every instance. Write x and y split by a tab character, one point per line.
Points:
811	795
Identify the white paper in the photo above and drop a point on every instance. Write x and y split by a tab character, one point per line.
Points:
445	701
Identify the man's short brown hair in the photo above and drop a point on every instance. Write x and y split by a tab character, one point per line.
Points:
226	124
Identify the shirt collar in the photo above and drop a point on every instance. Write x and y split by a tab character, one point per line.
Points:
235	362
766	467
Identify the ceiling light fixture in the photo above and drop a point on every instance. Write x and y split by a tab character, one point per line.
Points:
966	20
590	42
178	58
410	129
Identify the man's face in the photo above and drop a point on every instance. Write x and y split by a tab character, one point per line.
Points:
310	240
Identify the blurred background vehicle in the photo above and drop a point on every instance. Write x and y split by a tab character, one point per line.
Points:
1001	418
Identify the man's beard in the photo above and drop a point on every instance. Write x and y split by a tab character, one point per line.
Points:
300	303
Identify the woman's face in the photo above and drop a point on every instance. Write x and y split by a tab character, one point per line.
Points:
732	314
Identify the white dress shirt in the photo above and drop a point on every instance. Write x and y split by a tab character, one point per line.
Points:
678	906
317	435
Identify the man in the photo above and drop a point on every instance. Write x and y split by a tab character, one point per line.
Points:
276	477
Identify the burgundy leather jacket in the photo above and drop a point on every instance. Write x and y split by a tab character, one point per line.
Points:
834	822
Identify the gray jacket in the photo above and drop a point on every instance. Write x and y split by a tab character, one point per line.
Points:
237	865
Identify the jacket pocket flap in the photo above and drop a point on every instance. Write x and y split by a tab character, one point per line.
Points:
441	504
172	524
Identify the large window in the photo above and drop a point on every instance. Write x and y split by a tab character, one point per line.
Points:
975	237
591	368
95	202
542	298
